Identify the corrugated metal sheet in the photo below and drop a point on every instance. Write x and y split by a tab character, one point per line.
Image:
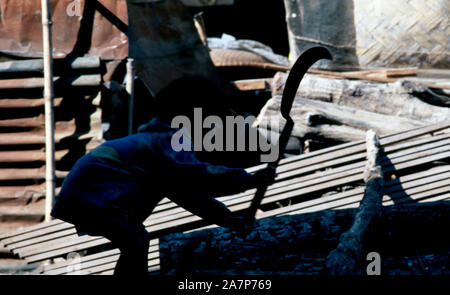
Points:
22	134
21	29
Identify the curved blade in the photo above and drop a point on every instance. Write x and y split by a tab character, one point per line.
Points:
298	70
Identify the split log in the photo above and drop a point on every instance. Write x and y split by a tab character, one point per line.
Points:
318	119
345	258
400	98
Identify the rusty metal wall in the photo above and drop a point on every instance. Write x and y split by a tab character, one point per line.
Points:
21	30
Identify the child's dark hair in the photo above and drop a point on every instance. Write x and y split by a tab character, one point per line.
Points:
182	95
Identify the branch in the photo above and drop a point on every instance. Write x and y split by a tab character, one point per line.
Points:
344	259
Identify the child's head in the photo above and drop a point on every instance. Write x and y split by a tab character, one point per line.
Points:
181	96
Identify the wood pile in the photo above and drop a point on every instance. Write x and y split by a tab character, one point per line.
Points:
341	107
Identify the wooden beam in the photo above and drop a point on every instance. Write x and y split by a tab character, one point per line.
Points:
253	84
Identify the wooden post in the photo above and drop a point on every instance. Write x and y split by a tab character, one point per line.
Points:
49	116
130	91
200	26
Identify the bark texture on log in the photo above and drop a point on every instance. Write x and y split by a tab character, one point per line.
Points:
299	244
401	98
318	119
344	259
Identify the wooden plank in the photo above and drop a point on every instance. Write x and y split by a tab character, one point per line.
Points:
358	146
60	267
96	260
39	240
437	188
56	227
99	265
110	266
356	168
89	266
294	172
10	103
73	246
399	186
351	151
253	84
28	229
443	197
409	181
353	200
154	245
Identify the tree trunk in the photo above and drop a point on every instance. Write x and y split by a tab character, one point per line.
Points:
400	98
318	119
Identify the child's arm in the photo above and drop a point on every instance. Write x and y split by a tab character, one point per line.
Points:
211	210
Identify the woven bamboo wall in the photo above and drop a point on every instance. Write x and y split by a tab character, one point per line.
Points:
368	34
405	32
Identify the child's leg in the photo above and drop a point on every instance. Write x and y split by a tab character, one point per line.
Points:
133	243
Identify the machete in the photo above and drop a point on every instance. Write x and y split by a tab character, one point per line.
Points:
298	70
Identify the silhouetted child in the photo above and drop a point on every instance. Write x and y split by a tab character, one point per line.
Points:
113	189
